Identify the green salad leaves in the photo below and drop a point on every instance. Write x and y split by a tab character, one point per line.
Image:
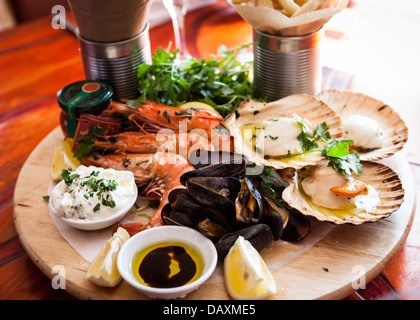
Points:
221	81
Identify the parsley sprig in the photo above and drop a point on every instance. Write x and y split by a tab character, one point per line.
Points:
337	152
342	159
308	138
85	146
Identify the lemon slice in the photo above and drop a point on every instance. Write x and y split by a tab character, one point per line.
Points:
63	158
199	105
246	274
103	271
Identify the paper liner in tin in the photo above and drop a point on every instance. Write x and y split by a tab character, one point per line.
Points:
274	22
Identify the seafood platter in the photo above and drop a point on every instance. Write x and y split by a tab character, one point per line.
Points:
292	193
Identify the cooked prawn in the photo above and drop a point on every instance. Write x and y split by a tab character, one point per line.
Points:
182	143
156	174
200	121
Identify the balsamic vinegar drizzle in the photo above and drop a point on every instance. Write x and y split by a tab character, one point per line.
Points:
167	266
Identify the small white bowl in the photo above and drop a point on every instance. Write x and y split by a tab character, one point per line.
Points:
161	234
100	223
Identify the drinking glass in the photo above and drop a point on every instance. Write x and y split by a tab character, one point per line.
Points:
177	10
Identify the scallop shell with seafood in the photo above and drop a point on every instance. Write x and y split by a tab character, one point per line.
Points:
384	196
251	114
394	130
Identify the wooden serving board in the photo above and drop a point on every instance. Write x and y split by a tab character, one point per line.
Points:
333	267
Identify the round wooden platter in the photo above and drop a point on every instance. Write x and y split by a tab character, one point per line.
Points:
334	266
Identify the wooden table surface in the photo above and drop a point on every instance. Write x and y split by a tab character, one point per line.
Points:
37	60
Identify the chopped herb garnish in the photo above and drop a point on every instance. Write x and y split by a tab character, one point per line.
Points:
321	132
94	173
325	269
46	198
221	130
182	113
167	116
96	186
273	138
68	176
308	138
108	203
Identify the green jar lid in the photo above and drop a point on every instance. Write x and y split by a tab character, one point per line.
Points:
87	96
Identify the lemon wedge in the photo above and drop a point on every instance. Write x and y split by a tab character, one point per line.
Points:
246	274
103	271
199	105
63	158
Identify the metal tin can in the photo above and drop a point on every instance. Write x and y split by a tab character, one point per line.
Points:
286	65
75	99
117	62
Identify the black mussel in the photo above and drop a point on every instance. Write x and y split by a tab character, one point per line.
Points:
172	217
182	201
211	230
273	216
214	192
222	217
248	203
215	164
202	158
259	235
297	225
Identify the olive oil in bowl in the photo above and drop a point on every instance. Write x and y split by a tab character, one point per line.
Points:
177	260
167	265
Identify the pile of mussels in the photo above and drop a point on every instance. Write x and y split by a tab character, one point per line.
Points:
223	203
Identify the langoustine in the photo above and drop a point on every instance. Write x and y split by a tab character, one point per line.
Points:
160	116
182	143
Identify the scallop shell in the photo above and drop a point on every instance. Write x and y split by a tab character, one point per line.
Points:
306	106
394	128
379	176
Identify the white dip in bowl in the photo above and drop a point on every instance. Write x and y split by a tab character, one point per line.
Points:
92	198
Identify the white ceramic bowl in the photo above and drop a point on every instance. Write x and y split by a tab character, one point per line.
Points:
160	234
100	223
